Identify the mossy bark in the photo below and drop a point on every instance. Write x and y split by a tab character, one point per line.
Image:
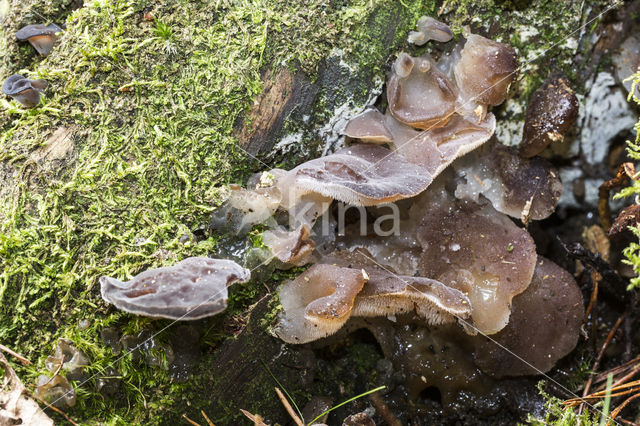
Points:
161	103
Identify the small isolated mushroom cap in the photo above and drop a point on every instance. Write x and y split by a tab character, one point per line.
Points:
191	289
437	148
430	29
424	98
544	327
480	252
485	70
16	84
552	111
370	126
317	303
41	37
363	175
292	247
523	188
36	30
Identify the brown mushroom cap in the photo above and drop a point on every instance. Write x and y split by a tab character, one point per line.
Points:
544	327
290	247
424	98
370	126
25	91
362	175
478	251
191	289
437	148
317	303
552	111
520	187
485	70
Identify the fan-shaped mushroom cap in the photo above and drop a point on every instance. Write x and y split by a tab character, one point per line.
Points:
370	126
544	327
317	303
430	29
479	252
423	98
485	70
436	149
245	208
362	175
25	91
387	293
552	111
41	37
290	247
191	289
520	187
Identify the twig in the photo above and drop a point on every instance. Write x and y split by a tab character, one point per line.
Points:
206	418
57	410
620	407
596	364
289	408
383	409
256	419
20	358
184	416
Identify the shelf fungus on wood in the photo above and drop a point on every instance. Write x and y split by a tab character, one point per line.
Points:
317	303
480	252
523	188
362	175
544	327
191	289
419	94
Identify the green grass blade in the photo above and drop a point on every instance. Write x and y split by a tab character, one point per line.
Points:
346	402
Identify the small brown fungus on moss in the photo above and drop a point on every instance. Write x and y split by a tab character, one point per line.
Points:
191	289
551	113
41	37
544	327
370	126
23	90
317	303
423	97
430	29
56	391
485	70
68	359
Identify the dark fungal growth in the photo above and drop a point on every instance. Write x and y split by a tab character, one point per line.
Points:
23	90
552	112
41	37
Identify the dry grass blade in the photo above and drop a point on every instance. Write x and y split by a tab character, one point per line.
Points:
184	416
255	418
620	407
209	422
19	357
289	408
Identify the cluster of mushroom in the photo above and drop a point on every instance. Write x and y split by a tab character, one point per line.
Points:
457	257
66	364
454	255
28	92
